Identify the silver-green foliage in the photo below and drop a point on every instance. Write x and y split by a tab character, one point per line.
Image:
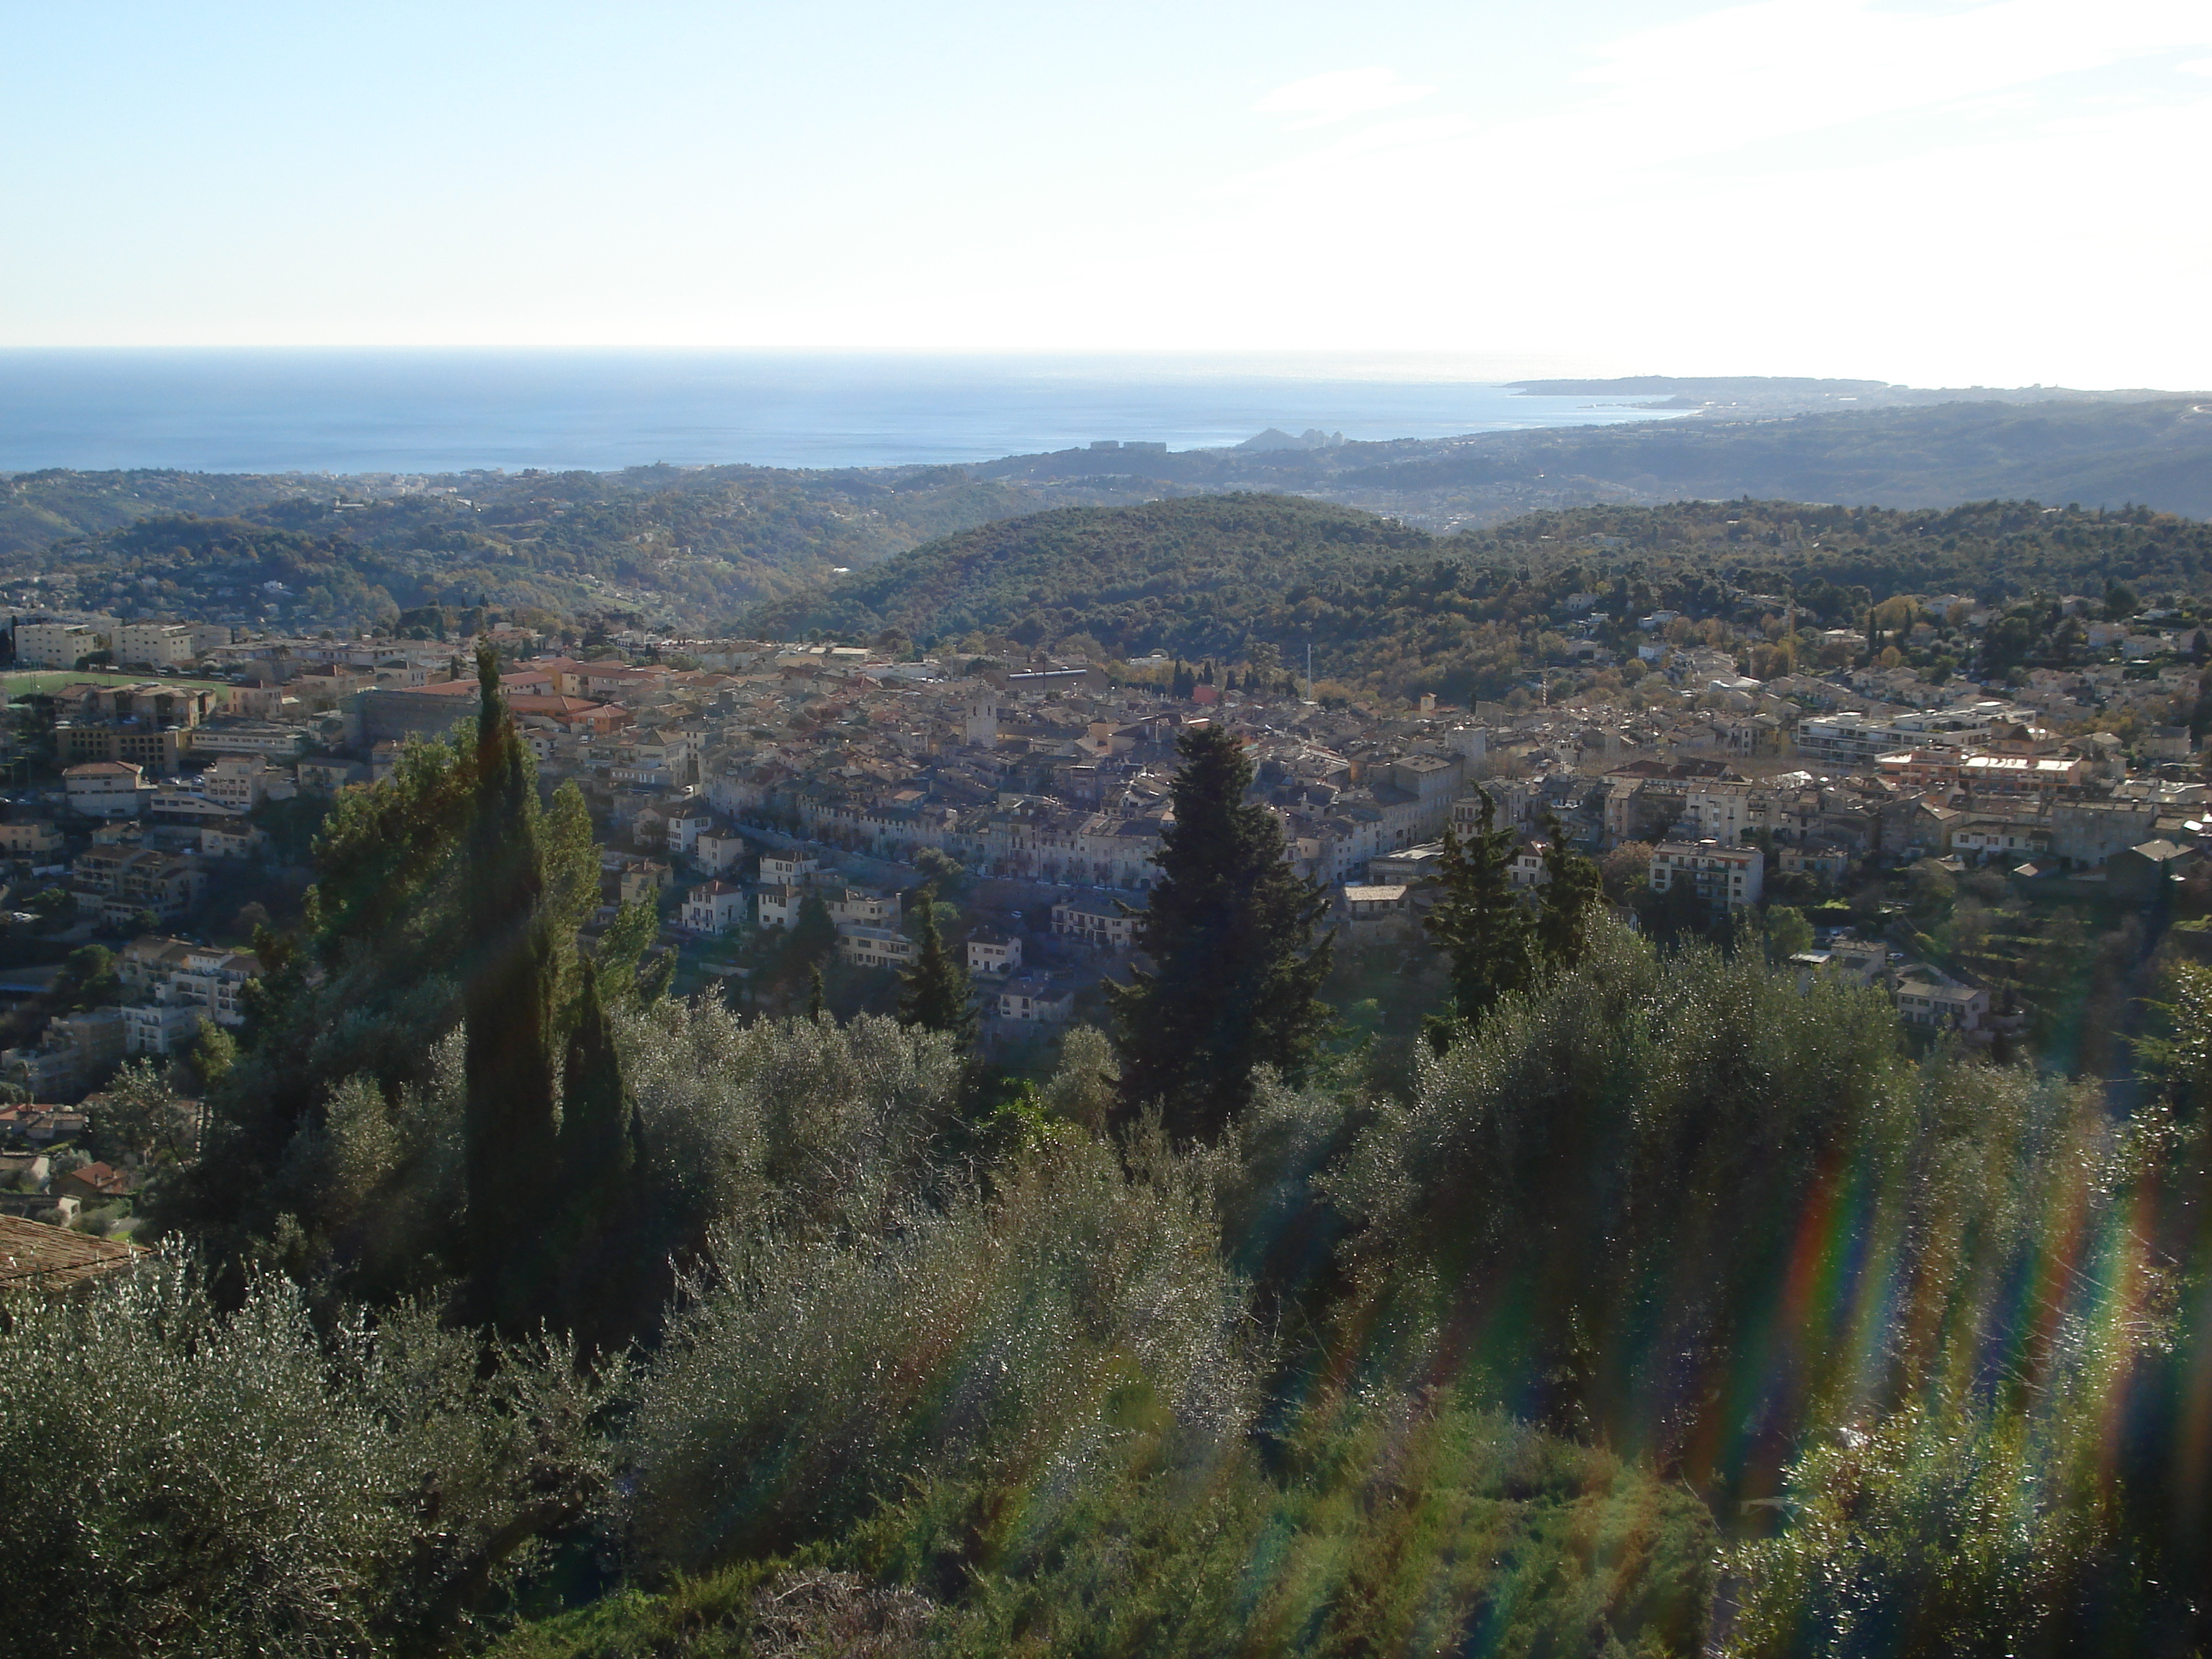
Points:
367	1191
1624	1151
788	1125
177	1481
1072	1315
1964	1499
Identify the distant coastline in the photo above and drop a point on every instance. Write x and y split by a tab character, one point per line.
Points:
441	411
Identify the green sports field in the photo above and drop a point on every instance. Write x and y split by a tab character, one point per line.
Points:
31	681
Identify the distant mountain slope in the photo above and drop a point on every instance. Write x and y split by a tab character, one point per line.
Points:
39	508
2106	452
2156	453
1122	569
691	548
1390	606
1701	385
683	548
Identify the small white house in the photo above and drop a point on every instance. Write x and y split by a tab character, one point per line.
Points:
718	851
686	825
714	907
1034	999
785	870
1102	925
994	953
1927	997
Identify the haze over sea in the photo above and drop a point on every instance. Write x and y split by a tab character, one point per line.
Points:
450	411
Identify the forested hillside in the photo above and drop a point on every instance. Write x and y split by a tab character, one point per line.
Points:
1386	606
683	548
692	548
1128	576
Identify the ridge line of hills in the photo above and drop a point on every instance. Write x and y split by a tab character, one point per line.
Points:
1391	608
704	549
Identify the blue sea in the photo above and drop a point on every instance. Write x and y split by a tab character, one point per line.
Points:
450	411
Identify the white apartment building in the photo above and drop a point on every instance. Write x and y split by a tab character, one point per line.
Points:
874	947
52	642
155	645
863	907
160	1028
1526	870
238	781
248	738
175	985
1724	811
238	842
1986	838
1726	877
104	789
1847	740
859	907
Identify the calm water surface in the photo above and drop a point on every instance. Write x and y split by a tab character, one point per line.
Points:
423	412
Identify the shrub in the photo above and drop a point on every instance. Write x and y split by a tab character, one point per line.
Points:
1073	1315
174	1480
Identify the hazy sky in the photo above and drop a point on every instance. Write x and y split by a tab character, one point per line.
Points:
1939	190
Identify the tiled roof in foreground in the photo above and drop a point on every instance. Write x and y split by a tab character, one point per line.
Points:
34	1255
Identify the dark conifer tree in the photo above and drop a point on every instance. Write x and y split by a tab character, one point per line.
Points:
934	993
1230	932
812	936
603	1298
1572	887
814	994
508	1063
1479	921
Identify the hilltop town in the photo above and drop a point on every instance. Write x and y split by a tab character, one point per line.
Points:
779	804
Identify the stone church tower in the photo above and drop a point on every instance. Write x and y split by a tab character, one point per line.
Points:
980	717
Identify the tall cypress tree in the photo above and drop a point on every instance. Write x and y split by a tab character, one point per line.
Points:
1572	887
934	993
1479	920
808	943
508	1063
1231	931
604	1295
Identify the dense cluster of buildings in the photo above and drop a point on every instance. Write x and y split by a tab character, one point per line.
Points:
849	766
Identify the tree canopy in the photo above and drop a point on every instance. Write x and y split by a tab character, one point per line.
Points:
1230	928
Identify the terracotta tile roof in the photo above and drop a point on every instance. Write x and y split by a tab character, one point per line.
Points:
36	1256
